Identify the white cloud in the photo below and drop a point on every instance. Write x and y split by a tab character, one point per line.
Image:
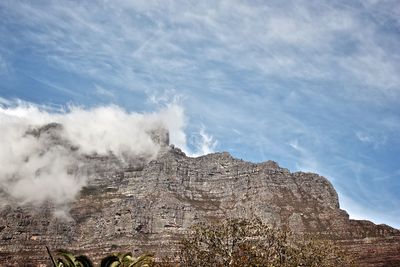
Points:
205	144
305	160
156	42
4	66
4	102
363	137
373	139
101	91
38	165
164	97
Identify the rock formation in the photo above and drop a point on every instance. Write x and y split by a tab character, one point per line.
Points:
145	207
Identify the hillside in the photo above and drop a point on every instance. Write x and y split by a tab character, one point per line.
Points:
138	206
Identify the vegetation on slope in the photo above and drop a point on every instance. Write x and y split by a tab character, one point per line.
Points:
233	243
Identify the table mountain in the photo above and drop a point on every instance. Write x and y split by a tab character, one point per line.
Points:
146	206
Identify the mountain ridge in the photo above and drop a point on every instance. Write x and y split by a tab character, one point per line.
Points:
145	207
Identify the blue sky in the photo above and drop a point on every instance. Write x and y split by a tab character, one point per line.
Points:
313	85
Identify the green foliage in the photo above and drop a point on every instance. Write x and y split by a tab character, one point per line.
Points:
126	260
67	259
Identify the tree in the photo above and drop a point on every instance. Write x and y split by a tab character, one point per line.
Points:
241	242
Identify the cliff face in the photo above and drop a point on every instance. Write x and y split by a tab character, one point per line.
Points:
146	207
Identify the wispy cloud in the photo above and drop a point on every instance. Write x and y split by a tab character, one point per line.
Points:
101	91
307	162
304	40
373	140
4	66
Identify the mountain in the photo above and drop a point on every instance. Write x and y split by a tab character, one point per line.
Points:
145	206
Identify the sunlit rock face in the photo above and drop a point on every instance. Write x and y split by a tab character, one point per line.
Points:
145	206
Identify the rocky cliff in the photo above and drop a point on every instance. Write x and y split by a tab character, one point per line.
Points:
141	207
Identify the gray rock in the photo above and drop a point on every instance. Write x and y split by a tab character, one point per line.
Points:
146	207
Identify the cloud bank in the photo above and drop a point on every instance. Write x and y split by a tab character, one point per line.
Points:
43	150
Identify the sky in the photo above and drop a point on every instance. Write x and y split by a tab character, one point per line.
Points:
313	85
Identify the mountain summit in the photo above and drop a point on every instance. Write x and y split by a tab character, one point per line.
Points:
146	206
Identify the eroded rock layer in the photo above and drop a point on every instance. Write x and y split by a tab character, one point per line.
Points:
145	208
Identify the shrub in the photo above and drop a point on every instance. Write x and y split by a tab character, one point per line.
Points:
241	242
